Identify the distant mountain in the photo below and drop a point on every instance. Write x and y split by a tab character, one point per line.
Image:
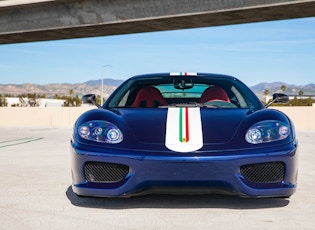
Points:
106	81
264	85
94	86
50	90
275	87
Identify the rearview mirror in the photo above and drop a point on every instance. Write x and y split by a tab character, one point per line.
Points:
183	84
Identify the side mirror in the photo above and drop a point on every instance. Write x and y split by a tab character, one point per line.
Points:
278	98
90	99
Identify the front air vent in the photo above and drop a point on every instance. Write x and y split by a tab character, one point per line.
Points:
271	172
101	172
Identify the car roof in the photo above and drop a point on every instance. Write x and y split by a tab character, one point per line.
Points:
174	74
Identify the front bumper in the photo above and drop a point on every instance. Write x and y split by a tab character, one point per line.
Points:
184	175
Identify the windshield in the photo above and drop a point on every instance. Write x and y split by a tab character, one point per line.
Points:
166	91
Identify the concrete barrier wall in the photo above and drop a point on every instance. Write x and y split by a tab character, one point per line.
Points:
303	117
36	116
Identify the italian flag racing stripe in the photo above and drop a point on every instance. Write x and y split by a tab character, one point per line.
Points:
183	74
183	129
183	125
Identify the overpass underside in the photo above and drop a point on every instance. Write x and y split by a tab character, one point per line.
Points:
64	19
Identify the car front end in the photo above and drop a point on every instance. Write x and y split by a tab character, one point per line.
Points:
183	148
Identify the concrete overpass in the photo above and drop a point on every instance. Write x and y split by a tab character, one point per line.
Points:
30	20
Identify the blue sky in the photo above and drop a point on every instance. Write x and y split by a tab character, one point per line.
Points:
255	52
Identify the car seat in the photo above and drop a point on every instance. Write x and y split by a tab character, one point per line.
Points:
214	93
149	97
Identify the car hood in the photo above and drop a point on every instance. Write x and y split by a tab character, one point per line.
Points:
149	126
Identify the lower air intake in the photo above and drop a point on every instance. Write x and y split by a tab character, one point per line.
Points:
271	172
100	172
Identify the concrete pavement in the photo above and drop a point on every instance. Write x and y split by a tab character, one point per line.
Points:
35	193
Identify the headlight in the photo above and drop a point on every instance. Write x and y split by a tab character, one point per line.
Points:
100	131
267	131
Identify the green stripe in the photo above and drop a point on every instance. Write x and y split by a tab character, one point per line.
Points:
181	124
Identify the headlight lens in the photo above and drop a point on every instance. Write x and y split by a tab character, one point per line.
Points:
267	131
100	131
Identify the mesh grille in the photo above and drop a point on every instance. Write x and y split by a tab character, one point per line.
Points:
271	172
105	172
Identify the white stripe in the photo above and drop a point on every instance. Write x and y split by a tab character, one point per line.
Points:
172	140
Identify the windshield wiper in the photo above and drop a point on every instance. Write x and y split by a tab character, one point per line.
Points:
200	105
209	106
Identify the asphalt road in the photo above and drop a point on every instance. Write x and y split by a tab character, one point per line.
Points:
35	193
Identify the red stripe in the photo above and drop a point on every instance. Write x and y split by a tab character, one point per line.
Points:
187	127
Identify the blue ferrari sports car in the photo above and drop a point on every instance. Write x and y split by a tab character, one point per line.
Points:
184	133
